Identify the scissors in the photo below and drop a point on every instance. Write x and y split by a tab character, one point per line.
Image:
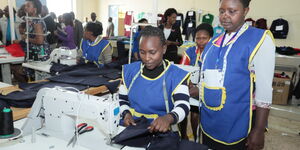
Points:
81	128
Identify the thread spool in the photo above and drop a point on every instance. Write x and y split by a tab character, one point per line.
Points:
6	123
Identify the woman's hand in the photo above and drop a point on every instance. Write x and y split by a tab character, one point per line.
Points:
255	140
161	124
128	120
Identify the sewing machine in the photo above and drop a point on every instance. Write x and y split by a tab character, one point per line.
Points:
56	111
195	72
195	79
63	55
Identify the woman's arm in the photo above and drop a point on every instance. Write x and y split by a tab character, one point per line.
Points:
69	30
39	37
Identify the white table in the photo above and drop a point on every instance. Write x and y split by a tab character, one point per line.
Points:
5	60
41	69
42	143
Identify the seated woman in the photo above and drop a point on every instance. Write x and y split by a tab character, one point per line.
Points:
67	36
154	87
93	47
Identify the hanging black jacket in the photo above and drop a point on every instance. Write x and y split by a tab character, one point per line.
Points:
280	28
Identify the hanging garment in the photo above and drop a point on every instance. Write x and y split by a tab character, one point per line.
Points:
250	22
190	30
218	30
179	20
127	22
280	28
208	18
261	24
190	16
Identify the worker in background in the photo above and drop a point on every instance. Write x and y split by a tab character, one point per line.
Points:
94	20
93	47
173	35
78	30
154	88
191	56
67	35
235	110
135	49
110	28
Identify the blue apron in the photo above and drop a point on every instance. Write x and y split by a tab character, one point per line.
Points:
147	95
91	52
227	85
193	57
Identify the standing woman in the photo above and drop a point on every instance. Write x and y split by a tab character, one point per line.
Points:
231	116
38	45
67	36
172	34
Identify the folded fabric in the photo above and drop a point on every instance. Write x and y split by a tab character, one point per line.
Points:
139	136
15	50
135	136
90	81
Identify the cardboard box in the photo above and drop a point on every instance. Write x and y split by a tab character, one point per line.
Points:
282	89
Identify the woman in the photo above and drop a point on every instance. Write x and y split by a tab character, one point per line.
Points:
38	45
231	63
135	49
67	36
93	47
172	34
191	56
154	76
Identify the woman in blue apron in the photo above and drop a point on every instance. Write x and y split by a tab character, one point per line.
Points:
154	88
191	56
231	63
93	47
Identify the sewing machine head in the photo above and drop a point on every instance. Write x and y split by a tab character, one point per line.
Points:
56	111
64	55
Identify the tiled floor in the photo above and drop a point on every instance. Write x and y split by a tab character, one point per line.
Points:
284	128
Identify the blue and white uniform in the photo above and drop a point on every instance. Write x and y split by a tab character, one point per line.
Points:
226	85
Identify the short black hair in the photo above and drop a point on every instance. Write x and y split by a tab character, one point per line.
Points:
95	28
141	21
169	12
36	4
68	19
150	31
245	3
73	15
205	27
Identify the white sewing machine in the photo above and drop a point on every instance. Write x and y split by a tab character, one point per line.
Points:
195	79
195	72
56	111
64	56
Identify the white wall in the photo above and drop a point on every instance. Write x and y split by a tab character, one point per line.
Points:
268	9
84	8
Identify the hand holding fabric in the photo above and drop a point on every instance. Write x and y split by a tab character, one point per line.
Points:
161	124
128	120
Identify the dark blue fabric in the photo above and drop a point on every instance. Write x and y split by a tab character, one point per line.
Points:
91	81
139	136
25	98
